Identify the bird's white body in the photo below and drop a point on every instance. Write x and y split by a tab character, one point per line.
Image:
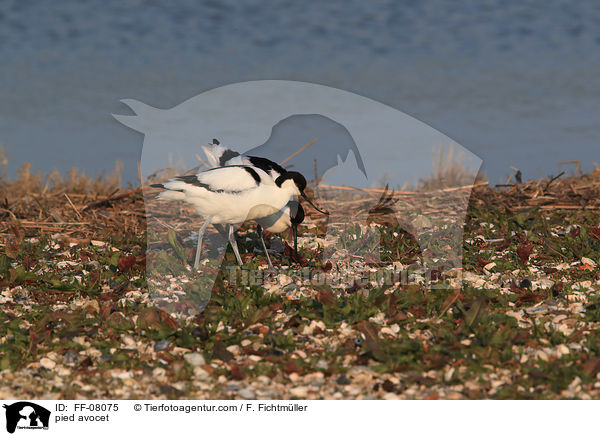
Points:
279	221
219	156
231	195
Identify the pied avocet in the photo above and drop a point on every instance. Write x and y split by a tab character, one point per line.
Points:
232	195
290	216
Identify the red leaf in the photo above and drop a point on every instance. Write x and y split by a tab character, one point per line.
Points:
372	341
291	367
236	372
592	366
126	262
222	353
326	297
155	319
168	320
524	251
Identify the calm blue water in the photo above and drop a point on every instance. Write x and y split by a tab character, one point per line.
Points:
516	82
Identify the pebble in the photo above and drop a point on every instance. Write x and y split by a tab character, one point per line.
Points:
47	363
195	359
158	372
70	358
322	364
234	349
387	331
300	391
343	380
129	341
315	379
201	373
161	345
247	394
63	372
309	329
122	375
542	355
301	354
232	388
263	380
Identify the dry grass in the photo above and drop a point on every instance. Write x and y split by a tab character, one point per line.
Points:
449	171
496	337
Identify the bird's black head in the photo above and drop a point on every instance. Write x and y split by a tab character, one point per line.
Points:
300	183
296	177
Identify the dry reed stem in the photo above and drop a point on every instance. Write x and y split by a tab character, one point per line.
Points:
73	206
297	152
381	190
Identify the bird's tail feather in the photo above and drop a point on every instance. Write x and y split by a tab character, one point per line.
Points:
217	155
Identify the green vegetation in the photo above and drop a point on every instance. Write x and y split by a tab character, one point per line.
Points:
77	320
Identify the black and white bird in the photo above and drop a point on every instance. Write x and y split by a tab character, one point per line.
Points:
232	195
290	216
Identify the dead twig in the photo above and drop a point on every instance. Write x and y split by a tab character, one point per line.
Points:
293	155
73	206
552	180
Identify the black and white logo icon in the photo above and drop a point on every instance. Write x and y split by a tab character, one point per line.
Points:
24	415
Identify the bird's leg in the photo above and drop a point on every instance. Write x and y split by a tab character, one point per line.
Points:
233	243
295	235
199	246
262	240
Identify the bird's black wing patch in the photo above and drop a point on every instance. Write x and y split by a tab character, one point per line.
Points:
253	173
266	165
191	179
